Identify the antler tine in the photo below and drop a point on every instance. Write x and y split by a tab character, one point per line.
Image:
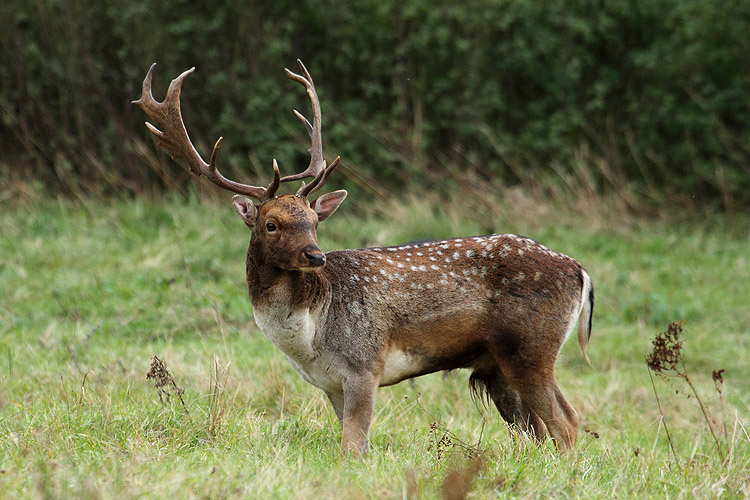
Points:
317	163
175	140
306	190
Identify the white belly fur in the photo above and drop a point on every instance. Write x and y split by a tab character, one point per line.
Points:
398	366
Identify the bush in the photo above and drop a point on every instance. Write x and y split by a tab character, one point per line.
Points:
646	95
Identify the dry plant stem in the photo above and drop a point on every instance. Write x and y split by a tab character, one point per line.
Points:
661	414
162	377
718	385
703	409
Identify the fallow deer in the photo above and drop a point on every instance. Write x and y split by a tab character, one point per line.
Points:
350	321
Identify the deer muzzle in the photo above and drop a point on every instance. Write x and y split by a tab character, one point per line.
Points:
312	257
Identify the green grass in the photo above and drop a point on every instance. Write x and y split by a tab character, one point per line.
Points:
92	289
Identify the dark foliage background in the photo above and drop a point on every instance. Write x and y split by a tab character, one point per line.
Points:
647	96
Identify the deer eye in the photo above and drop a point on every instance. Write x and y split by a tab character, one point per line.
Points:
270	227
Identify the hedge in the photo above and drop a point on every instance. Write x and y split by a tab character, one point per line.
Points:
653	95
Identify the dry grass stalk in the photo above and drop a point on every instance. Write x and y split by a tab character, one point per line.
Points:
216	403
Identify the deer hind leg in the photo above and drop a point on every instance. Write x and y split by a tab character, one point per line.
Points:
540	396
508	402
547	401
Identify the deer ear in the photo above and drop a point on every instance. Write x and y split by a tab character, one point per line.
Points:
246	210
326	204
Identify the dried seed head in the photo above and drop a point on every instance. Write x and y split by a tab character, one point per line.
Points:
667	353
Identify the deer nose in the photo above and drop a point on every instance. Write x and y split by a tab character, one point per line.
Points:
314	256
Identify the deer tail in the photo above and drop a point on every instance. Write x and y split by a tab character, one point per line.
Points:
586	314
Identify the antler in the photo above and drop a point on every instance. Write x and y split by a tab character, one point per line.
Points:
175	140
317	168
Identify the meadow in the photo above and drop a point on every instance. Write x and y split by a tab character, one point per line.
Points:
93	289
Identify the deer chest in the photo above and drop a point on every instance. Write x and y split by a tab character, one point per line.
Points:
293	332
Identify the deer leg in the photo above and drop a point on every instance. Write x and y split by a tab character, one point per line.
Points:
337	401
512	408
359	403
547	401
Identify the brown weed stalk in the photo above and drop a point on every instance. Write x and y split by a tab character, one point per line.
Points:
667	360
165	383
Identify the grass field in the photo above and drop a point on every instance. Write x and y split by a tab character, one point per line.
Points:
93	289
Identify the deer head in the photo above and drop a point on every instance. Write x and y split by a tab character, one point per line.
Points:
284	227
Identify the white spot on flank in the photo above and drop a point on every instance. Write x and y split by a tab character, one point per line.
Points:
413	268
433	259
537	276
422	268
375	279
367	279
382	271
420	254
400	265
456	255
434	267
430	285
470	253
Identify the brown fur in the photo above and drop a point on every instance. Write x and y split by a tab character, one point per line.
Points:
352	320
500	305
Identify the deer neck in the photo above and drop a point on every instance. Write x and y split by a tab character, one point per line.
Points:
271	286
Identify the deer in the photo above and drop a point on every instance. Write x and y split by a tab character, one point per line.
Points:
351	321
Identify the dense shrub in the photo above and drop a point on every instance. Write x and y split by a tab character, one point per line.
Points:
653	95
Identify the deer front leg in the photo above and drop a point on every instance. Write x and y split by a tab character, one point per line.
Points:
359	403
337	401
